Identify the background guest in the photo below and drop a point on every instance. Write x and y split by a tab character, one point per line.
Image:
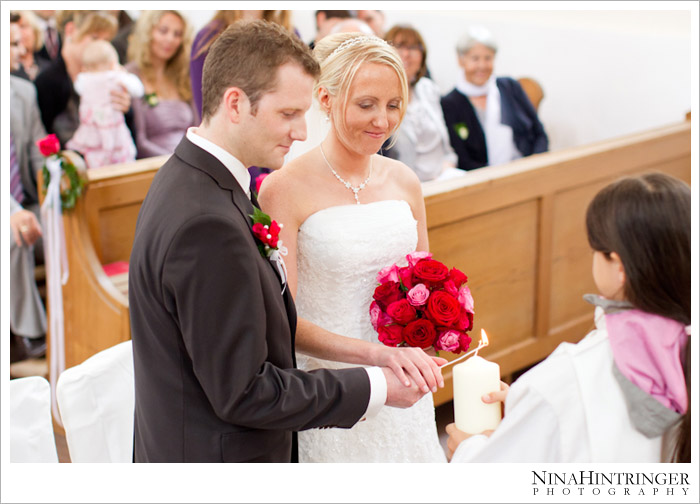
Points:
58	101
103	137
27	314
325	21
159	50
121	39
375	20
490	120
422	142
51	48
352	25
207	35
33	41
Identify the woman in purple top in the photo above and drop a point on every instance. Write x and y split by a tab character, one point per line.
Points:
159	51
207	35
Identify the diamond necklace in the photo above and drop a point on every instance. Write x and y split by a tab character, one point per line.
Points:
347	184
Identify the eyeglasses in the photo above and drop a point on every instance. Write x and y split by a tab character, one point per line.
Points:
409	47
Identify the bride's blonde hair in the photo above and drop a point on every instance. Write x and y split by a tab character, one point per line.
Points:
341	55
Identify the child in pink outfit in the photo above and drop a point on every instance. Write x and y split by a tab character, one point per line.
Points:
103	137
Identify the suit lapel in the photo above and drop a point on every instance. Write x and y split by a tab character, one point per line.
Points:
202	160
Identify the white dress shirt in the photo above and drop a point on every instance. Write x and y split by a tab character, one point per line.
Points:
378	385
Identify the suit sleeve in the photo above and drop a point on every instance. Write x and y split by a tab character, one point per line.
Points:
212	278
541	142
464	161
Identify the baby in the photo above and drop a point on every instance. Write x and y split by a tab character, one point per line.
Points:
103	137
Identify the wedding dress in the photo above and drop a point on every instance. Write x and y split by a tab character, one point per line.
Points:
339	252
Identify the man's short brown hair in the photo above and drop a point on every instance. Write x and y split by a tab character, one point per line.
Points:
247	55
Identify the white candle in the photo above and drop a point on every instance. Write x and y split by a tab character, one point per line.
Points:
471	380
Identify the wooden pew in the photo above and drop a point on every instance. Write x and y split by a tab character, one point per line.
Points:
516	230
100	230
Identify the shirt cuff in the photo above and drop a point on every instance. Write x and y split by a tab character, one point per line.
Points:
377	395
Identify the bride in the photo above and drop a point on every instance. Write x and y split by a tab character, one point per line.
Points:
348	213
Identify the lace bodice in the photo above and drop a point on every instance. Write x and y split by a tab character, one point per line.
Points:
339	252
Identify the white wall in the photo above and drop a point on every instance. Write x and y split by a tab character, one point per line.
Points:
604	73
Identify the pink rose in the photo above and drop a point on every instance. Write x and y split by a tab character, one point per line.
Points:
448	340
377	316
465	298
390	273
406	275
464	342
49	145
401	311
259	180
414	257
390	335
418	295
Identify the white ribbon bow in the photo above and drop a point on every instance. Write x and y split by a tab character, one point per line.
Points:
56	273
277	260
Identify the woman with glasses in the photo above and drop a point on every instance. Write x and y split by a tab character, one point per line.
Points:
422	142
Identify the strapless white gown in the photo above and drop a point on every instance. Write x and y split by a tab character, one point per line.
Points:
339	252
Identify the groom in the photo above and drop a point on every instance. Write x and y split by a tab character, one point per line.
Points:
212	327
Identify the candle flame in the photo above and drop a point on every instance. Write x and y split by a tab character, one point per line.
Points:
484	339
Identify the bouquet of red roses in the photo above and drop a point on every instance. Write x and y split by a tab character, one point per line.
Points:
423	304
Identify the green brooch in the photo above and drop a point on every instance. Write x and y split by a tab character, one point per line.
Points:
151	99
461	130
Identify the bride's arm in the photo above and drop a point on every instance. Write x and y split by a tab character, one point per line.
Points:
276	199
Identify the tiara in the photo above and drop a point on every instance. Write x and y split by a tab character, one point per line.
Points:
355	41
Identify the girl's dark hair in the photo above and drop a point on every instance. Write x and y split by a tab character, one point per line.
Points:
646	221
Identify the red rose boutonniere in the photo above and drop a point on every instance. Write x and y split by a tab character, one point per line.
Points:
267	235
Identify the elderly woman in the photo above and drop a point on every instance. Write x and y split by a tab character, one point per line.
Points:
159	54
490	120
422	142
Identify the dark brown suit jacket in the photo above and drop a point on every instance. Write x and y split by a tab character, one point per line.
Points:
213	335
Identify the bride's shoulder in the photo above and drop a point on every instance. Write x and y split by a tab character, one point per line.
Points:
396	172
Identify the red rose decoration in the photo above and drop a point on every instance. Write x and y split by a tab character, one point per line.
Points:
387	293
401	311
458	277
49	145
419	333
390	335
260	232
406	275
431	271
443	308
464	342
465	322
259	180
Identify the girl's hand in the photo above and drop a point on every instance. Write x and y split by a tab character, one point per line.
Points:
420	367
457	436
497	396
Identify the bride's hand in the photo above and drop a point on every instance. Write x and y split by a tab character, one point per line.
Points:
420	367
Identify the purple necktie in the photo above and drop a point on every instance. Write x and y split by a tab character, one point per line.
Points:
16	188
51	42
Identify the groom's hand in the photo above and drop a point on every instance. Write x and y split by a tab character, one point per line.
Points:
398	394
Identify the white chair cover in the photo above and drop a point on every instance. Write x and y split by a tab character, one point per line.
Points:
31	429
96	401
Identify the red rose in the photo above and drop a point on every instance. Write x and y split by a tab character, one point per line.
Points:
419	333
465	322
387	293
49	145
458	277
464	342
390	335
401	311
260	232
406	275
443	308
430	270
259	180
450	288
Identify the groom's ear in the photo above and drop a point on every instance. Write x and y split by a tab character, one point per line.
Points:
236	104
